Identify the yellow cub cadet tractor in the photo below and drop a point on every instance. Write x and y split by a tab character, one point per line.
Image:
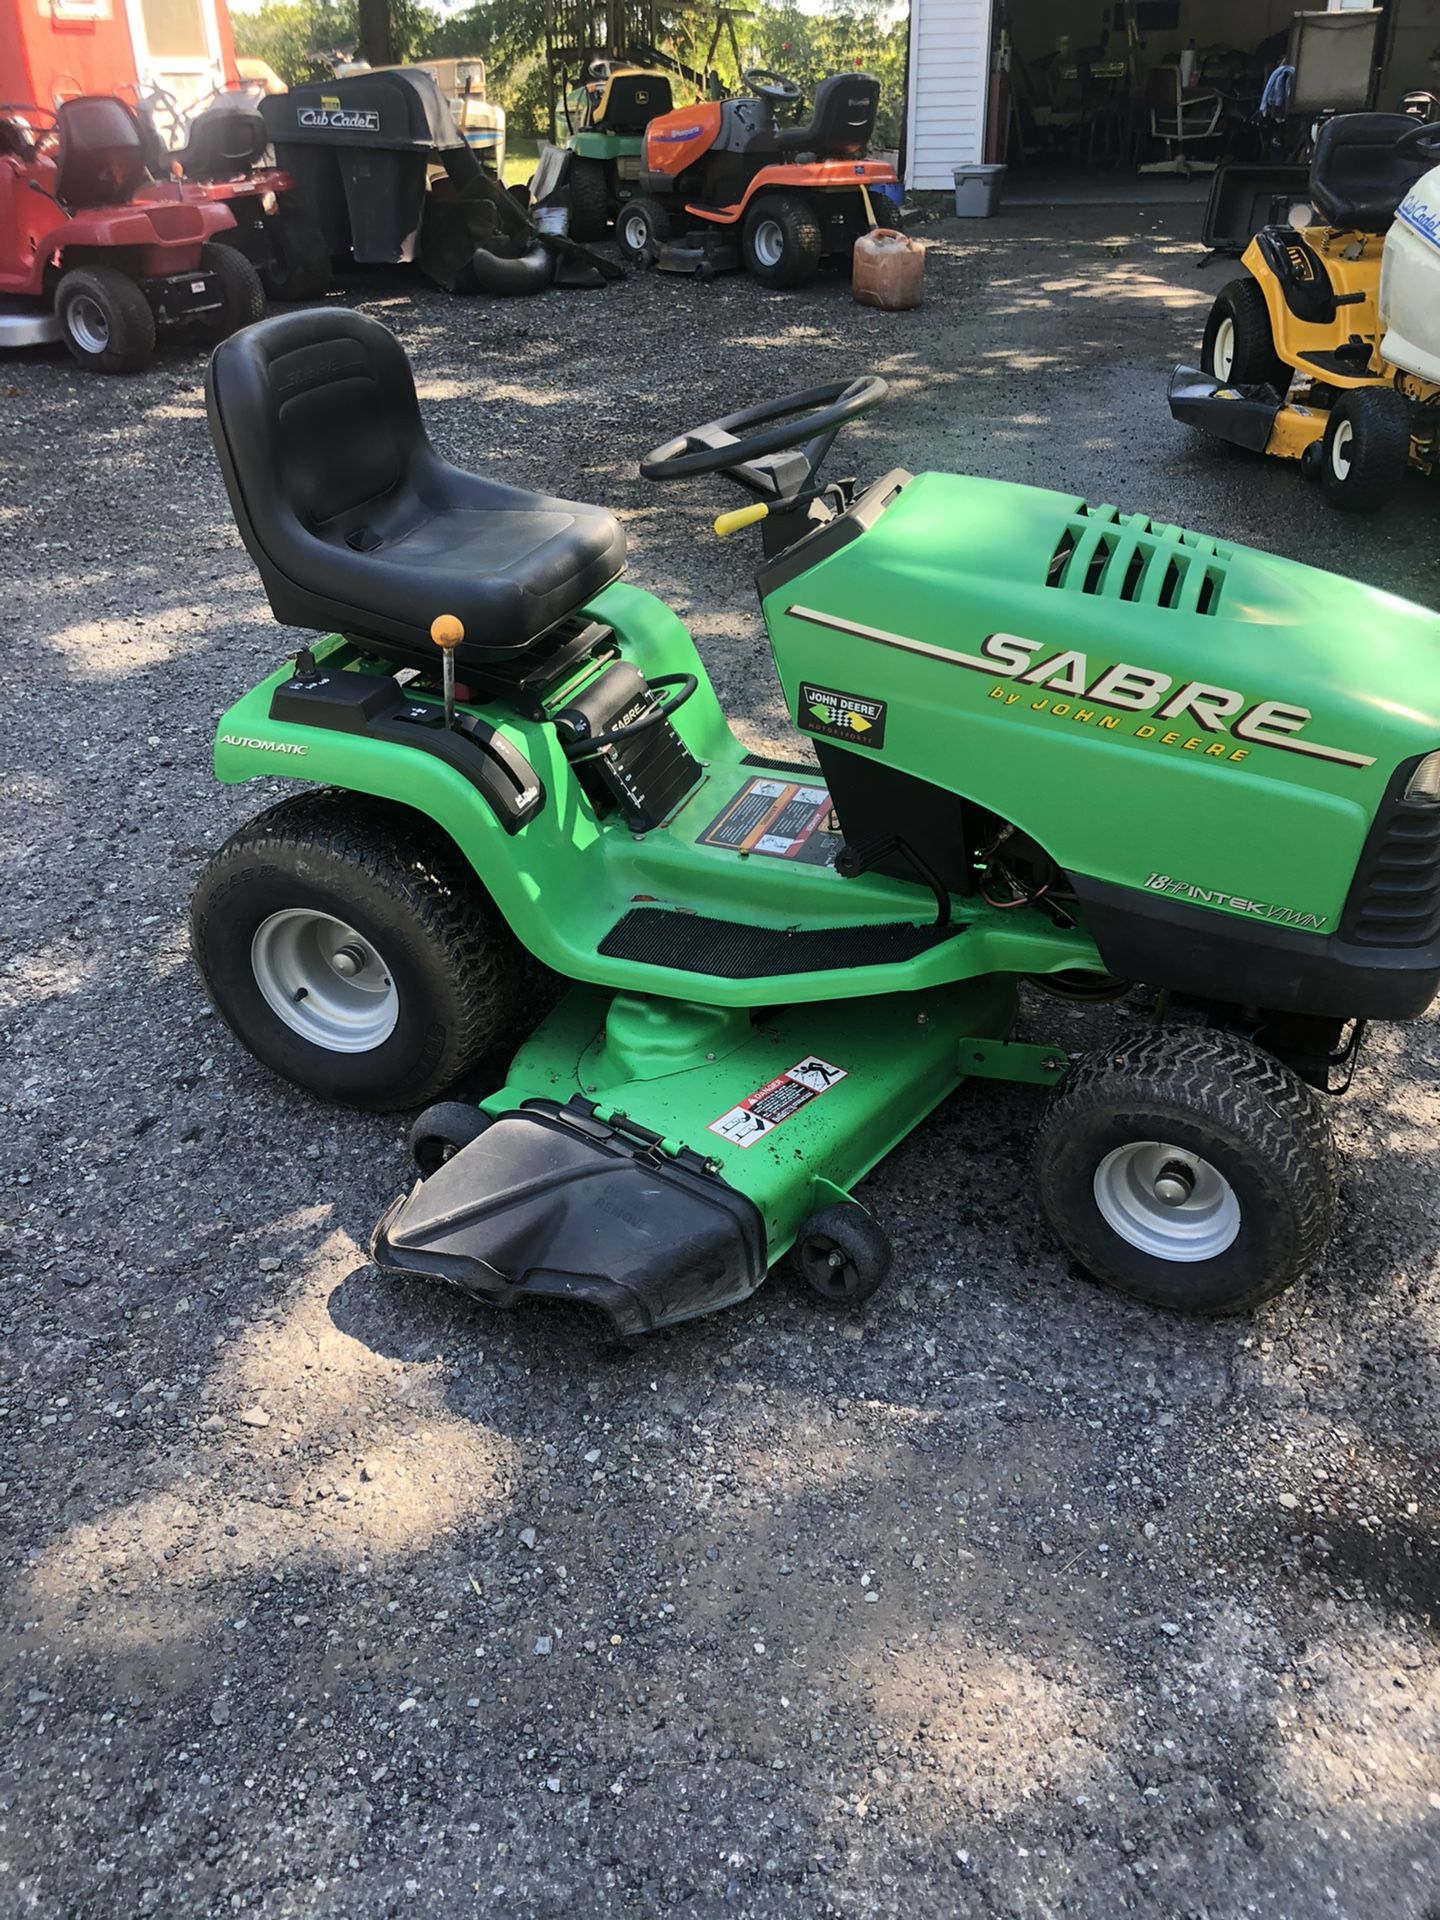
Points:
1327	350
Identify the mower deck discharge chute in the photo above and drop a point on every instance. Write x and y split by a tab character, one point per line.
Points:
1328	350
1040	741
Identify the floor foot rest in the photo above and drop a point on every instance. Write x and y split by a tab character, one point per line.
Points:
728	950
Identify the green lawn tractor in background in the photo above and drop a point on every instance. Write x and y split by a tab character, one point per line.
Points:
1040	740
606	117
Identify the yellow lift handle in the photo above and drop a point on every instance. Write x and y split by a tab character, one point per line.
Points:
740	517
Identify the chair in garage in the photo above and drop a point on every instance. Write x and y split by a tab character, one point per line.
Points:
1181	118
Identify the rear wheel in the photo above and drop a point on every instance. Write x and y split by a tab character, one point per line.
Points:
781	240
105	319
352	950
589	198
1239	348
301	265
641	228
1190	1170
1366	448
242	297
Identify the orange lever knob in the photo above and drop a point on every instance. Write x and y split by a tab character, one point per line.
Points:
446	631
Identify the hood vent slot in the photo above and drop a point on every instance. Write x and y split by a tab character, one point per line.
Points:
1115	556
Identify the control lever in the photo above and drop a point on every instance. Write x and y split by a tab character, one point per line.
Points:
447	633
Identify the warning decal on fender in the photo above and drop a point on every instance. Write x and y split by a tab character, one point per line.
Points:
761	1112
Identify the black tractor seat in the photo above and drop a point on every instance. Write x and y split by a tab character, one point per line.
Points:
841	120
101	158
356	524
1357	179
223	142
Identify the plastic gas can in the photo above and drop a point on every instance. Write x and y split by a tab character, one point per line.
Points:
889	270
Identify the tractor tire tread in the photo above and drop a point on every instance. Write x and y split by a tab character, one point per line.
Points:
132	324
1379	449
1237	1087
1256	361
804	242
242	293
589	198
422	872
302	271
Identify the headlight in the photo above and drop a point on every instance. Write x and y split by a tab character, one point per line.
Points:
1425	781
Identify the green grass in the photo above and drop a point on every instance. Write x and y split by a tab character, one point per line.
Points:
521	155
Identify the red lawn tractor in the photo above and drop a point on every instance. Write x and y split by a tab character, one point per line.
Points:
86	260
219	163
791	194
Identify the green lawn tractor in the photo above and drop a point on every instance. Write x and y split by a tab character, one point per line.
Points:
607	116
1041	740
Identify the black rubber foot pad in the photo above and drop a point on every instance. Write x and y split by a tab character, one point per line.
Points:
728	950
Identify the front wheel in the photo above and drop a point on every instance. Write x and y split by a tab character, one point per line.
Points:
1239	348
1189	1169
1366	449
106	320
242	297
353	951
781	240
642	227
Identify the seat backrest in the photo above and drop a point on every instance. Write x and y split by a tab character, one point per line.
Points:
101	160
1333	55
1357	179
841	120
222	142
632	100
1162	88
316	425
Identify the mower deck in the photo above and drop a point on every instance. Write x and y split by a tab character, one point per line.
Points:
1253	417
651	1159
23	324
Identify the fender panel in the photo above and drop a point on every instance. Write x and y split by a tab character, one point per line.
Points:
566	877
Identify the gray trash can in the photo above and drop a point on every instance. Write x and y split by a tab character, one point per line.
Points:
977	190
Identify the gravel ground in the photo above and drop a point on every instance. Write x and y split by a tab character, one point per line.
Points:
325	1595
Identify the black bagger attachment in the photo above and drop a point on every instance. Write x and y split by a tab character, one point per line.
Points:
552	1203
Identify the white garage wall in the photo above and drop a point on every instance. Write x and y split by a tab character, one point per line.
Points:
949	79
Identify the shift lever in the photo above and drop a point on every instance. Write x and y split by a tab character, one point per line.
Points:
447	633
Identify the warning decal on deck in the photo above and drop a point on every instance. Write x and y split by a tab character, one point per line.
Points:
787	819
761	1112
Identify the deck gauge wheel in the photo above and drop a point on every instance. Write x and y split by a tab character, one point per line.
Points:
442	1131
843	1254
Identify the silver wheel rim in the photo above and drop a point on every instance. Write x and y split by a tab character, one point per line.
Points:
89	329
1341	441
324	980
769	243
1224	348
637	232
1130	1185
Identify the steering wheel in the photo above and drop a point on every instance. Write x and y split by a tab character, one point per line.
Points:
795	420
773	87
1423	141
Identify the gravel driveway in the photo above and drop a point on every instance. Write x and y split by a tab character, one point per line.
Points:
325	1595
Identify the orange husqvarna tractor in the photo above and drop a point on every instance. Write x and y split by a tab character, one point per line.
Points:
728	171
